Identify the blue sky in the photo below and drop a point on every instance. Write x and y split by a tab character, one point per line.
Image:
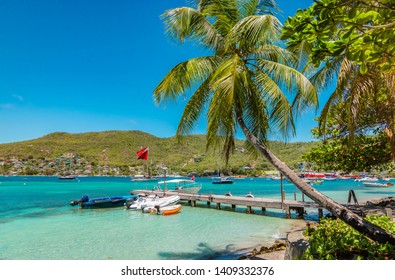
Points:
81	65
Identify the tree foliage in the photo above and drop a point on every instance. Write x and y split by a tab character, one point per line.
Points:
247	74
335	240
362	30
364	154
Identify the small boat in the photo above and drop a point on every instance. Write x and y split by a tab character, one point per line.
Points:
179	185
222	180
102	202
67	177
329	179
377	185
145	203
143	178
169	210
228	194
317	182
367	179
276	177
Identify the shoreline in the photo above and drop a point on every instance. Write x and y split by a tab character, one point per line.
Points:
253	252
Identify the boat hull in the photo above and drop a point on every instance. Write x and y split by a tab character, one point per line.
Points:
376	185
169	210
103	202
222	182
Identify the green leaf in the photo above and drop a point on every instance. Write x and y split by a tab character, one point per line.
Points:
363	69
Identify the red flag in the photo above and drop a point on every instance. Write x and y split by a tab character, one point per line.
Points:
142	154
193	178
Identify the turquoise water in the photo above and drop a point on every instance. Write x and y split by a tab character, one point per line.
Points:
36	222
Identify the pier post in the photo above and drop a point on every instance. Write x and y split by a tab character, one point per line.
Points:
218	206
263	210
193	203
287	212
300	211
233	206
249	209
208	203
320	213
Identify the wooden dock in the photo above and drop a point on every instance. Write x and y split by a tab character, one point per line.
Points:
233	201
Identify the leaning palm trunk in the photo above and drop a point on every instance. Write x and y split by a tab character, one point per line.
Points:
358	223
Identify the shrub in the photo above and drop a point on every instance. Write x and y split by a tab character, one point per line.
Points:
333	239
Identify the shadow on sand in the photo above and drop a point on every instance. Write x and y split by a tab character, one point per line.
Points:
205	252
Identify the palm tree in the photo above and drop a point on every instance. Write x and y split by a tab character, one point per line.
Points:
244	83
366	100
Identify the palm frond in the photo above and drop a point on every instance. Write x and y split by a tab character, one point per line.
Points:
183	76
182	23
255	113
293	81
248	8
273	53
194	108
253	31
302	53
224	13
328	73
230	89
280	112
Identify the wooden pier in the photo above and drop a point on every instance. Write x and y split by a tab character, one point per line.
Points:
233	201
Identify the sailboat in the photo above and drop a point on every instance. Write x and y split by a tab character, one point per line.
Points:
221	179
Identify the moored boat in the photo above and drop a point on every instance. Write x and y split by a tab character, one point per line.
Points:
169	210
102	202
367	179
145	203
67	177
377	185
222	180
179	185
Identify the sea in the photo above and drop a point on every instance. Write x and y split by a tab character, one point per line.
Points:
37	222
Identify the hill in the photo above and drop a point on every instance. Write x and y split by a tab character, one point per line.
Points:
118	148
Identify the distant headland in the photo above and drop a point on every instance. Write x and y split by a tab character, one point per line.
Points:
114	153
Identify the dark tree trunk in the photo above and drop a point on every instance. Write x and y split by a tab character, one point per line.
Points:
358	223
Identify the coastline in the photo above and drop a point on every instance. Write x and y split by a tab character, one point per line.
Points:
276	250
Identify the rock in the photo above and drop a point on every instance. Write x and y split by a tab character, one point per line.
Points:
296	245
254	252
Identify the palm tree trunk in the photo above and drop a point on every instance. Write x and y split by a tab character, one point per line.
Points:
358	223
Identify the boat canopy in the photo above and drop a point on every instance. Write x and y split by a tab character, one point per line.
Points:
176	181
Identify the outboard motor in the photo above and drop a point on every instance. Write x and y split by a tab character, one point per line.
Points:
83	199
74	202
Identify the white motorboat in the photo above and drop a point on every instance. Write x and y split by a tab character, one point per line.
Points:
377	185
367	179
143	202
179	185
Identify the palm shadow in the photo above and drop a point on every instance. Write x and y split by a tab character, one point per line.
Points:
206	252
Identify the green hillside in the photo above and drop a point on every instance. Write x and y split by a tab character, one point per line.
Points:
118	148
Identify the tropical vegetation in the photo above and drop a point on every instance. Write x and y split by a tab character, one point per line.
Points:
362	30
352	44
335	240
244	83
